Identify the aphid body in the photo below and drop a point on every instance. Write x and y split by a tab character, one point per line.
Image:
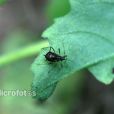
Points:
54	57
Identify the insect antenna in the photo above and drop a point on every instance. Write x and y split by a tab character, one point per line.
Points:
64	48
66	55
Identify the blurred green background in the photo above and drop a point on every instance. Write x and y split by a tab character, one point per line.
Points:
21	25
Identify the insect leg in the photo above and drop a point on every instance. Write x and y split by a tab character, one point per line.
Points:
44	48
64	48
59	51
52	49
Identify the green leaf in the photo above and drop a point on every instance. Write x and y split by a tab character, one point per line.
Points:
56	8
103	71
2	2
87	36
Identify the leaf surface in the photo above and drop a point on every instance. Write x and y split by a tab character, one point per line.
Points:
86	34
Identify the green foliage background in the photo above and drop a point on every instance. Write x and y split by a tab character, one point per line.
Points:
88	26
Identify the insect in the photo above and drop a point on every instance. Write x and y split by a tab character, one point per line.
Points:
54	57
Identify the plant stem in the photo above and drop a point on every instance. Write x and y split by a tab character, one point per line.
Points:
22	53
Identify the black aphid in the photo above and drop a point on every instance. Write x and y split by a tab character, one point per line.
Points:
54	57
